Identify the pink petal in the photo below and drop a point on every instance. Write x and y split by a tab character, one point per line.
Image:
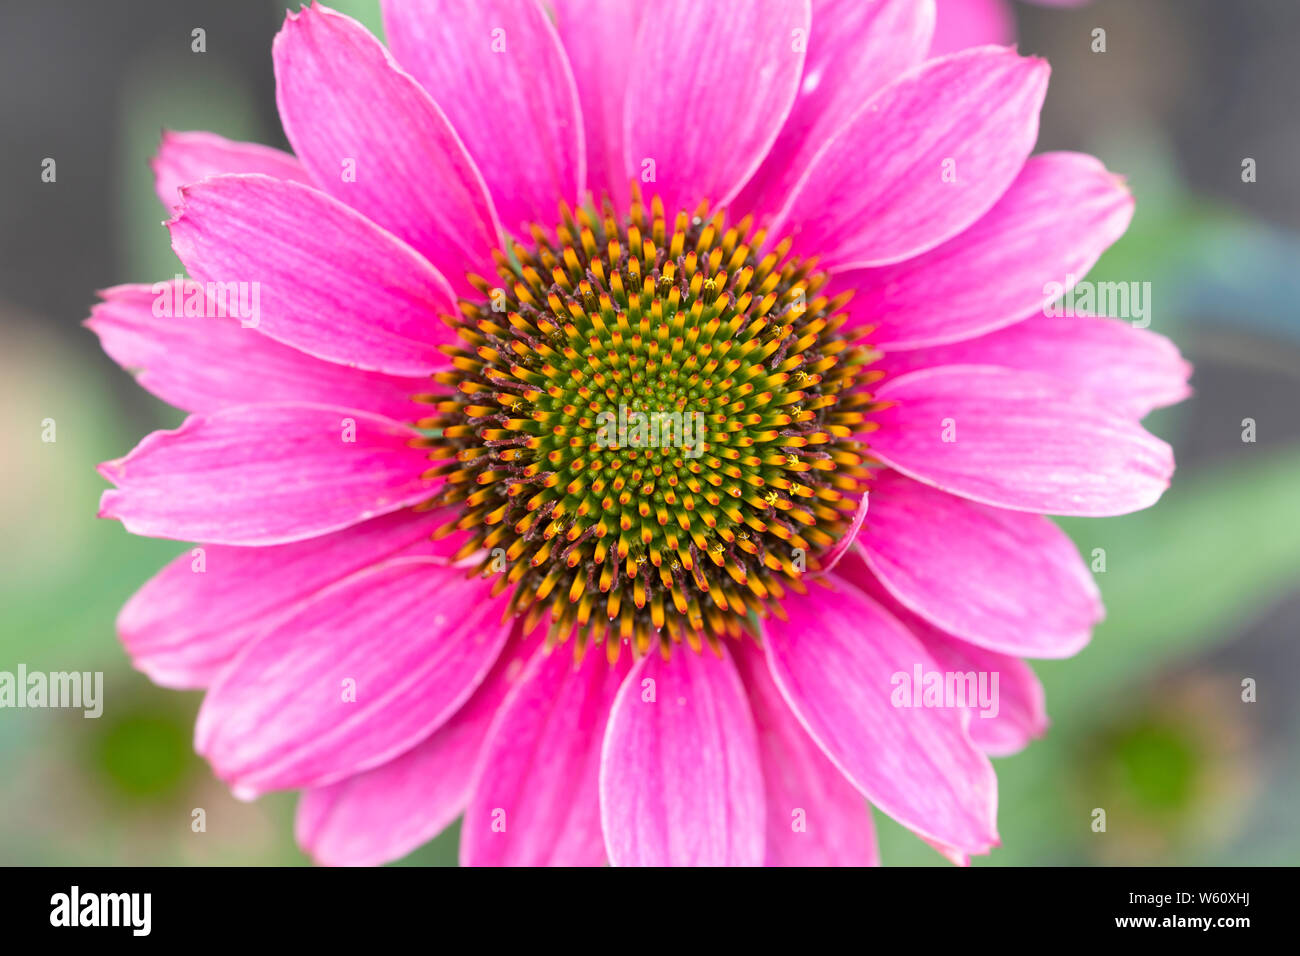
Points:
536	802
387	812
1022	441
1021	710
410	639
199	611
1021	714
680	779
953	856
835	662
265	474
708	94
202	364
919	162
330	282
961	24
497	69
375	140
597	37
841	547
1005	580
814	815
1061	213
185	158
1122	367
855	49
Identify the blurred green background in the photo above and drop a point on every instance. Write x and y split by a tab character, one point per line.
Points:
1201	592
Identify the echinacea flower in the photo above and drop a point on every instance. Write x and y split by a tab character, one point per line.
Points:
437	570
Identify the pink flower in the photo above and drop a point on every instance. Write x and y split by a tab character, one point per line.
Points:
410	490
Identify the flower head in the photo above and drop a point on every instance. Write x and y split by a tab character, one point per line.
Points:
617	424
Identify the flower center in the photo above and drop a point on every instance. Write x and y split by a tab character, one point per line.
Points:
652	430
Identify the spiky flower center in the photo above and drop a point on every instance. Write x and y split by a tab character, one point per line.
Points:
652	429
